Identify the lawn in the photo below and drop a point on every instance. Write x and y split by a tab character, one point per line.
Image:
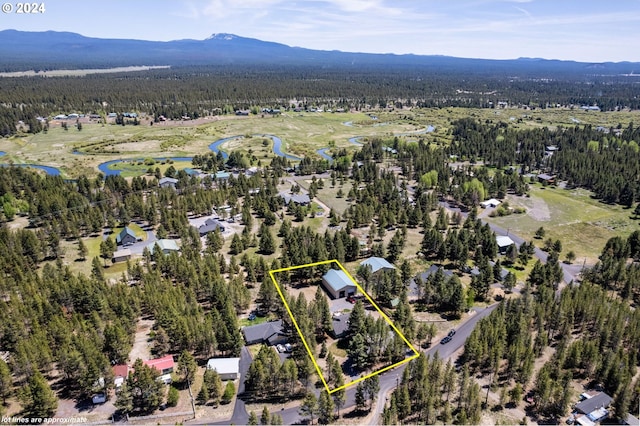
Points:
580	222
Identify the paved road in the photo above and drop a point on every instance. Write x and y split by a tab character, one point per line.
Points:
240	415
389	379
569	272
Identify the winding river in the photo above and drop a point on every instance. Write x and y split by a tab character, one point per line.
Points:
214	147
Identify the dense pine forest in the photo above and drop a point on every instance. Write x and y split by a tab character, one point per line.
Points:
201	91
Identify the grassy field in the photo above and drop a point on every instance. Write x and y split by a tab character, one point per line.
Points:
582	223
302	134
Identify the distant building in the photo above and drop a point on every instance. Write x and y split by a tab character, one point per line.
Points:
210	225
167	246
121	255
338	284
227	368
221	175
490	203
546	178
126	237
271	333
300	199
167	182
377	264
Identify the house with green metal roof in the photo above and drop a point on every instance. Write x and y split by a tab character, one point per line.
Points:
167	246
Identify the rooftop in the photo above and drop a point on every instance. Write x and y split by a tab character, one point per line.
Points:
377	263
263	331
504	241
164	245
161	364
337	279
600	400
224	365
125	231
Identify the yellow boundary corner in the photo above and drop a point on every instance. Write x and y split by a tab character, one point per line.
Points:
306	345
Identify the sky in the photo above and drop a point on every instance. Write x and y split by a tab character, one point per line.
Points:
581	30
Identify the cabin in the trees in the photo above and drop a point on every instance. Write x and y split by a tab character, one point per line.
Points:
503	243
299	199
221	175
377	264
167	246
271	332
546	179
120	374
210	225
251	171
126	237
168	182
593	409
227	368
164	365
490	203
121	255
338	284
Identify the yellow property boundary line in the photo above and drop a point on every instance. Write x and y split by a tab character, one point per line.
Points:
306	345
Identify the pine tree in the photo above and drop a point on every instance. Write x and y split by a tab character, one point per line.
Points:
38	398
124	400
253	419
187	366
360	398
267	243
325	408
309	407
6	382
265	416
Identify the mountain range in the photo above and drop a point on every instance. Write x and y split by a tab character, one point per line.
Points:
47	50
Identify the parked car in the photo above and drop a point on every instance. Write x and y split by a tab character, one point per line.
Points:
252	316
452	332
445	340
281	348
99	398
288	347
351	299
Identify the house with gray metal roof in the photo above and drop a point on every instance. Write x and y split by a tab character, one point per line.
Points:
300	199
210	225
167	182
338	284
270	332
377	264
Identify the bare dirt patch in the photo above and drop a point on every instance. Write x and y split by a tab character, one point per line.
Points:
536	207
141	345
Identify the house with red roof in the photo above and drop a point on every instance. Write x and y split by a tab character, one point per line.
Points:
164	365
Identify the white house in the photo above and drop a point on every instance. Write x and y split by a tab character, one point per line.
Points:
227	368
503	243
490	203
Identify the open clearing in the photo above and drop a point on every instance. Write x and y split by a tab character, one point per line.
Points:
582	223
